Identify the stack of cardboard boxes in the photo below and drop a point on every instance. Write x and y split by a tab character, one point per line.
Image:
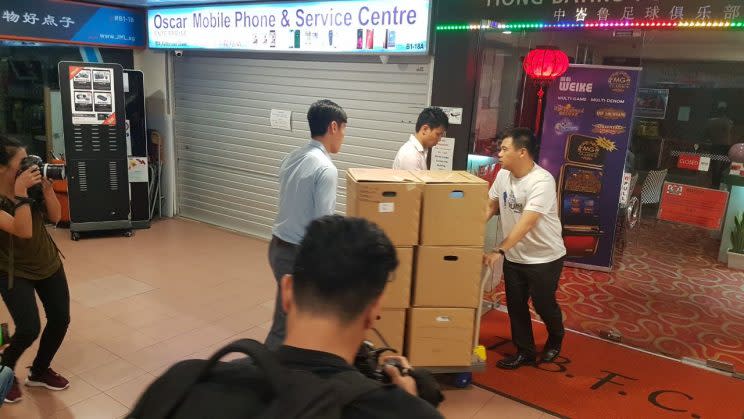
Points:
436	221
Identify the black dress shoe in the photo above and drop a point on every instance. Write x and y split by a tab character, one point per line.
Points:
550	354
515	361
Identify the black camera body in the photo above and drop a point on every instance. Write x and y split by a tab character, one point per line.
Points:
48	171
367	361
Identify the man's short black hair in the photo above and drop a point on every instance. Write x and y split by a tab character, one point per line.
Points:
321	114
433	117
342	266
523	138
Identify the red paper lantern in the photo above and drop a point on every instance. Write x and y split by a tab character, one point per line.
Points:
543	65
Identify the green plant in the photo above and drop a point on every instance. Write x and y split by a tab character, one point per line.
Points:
737	235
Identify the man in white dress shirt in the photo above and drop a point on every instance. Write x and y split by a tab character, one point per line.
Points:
431	125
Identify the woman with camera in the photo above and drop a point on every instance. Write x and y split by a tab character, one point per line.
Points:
30	265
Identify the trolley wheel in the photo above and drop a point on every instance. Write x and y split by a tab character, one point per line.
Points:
129	233
74	235
463	379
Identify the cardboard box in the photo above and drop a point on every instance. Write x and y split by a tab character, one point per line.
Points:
398	291
454	208
440	337
390	198
392	327
448	276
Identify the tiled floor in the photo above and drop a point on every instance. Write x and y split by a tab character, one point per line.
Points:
179	290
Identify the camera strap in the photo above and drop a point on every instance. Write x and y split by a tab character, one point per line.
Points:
11	243
11	261
54	244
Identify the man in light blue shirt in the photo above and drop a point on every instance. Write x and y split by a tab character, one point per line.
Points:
307	190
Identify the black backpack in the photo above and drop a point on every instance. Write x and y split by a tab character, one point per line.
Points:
262	389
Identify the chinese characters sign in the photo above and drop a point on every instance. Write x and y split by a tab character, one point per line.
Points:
577	11
602	13
349	27
63	22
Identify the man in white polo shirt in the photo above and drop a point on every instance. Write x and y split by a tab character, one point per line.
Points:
431	125
524	194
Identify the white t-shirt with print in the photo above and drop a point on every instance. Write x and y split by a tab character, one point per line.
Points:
536	192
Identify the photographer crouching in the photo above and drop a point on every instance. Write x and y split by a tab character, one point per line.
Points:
323	370
332	300
30	264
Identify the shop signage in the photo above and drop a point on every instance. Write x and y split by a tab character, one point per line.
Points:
71	23
348	27
577	11
588	160
693	162
443	154
691	205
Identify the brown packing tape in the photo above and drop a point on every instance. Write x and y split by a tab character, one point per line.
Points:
364	175
444	177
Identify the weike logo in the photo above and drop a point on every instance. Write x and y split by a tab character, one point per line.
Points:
566	85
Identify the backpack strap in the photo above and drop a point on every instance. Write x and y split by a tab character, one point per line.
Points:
178	382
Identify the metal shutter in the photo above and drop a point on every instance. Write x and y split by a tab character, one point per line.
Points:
228	154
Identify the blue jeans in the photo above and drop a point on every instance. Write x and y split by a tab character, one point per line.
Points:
6	381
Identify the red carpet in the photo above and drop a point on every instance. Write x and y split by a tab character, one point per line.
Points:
596	379
667	294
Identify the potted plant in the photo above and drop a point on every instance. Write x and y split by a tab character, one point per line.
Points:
736	252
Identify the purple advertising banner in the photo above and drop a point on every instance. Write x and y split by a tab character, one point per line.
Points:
585	136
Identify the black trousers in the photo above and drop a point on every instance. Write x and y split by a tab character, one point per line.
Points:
21	302
282	257
539	282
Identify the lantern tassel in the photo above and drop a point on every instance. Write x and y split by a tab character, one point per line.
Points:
538	117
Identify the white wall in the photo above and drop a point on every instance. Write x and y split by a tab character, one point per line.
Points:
158	74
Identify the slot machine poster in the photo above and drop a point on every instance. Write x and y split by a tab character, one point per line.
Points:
585	137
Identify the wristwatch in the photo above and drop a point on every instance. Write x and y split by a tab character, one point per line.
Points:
500	250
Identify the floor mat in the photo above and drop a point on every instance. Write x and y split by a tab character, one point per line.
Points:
667	294
593	378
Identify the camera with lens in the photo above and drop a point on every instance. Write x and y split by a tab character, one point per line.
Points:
367	361
48	171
